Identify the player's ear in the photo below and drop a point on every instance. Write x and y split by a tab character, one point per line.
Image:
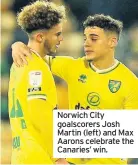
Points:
113	42
39	37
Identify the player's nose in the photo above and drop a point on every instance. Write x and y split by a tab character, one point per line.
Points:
61	38
86	43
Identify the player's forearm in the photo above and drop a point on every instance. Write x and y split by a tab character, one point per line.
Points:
39	110
40	115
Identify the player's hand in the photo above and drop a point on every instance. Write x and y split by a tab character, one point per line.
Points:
19	53
62	161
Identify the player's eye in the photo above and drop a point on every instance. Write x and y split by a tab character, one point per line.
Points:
85	38
58	34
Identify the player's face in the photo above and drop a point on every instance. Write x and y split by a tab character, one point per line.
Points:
53	38
96	43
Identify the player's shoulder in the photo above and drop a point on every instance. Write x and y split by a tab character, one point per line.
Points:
126	72
67	58
79	60
37	63
63	58
128	77
34	60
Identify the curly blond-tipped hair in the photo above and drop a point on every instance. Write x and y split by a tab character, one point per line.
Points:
40	15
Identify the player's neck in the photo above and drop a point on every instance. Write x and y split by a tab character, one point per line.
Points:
38	48
104	63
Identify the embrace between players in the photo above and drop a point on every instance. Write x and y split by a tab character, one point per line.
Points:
104	82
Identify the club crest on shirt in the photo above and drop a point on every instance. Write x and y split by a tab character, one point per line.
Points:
114	85
82	78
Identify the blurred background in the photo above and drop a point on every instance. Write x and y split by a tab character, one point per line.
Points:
77	11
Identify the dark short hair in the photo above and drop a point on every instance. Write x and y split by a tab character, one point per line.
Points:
105	22
40	15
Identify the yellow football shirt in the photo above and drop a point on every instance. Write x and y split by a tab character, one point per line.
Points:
32	97
90	88
113	88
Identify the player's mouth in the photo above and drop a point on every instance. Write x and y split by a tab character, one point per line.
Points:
88	51
57	46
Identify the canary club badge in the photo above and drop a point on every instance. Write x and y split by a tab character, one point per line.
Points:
35	78
114	85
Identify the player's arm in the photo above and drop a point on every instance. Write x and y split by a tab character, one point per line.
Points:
39	106
41	118
131	100
60	65
19	53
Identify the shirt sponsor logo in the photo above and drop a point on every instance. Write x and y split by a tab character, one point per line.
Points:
93	98
34	89
78	106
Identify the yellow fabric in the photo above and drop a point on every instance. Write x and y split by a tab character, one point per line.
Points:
87	89
116	89
62	95
32	98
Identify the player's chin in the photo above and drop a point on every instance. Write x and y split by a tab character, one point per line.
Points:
54	49
52	52
89	57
